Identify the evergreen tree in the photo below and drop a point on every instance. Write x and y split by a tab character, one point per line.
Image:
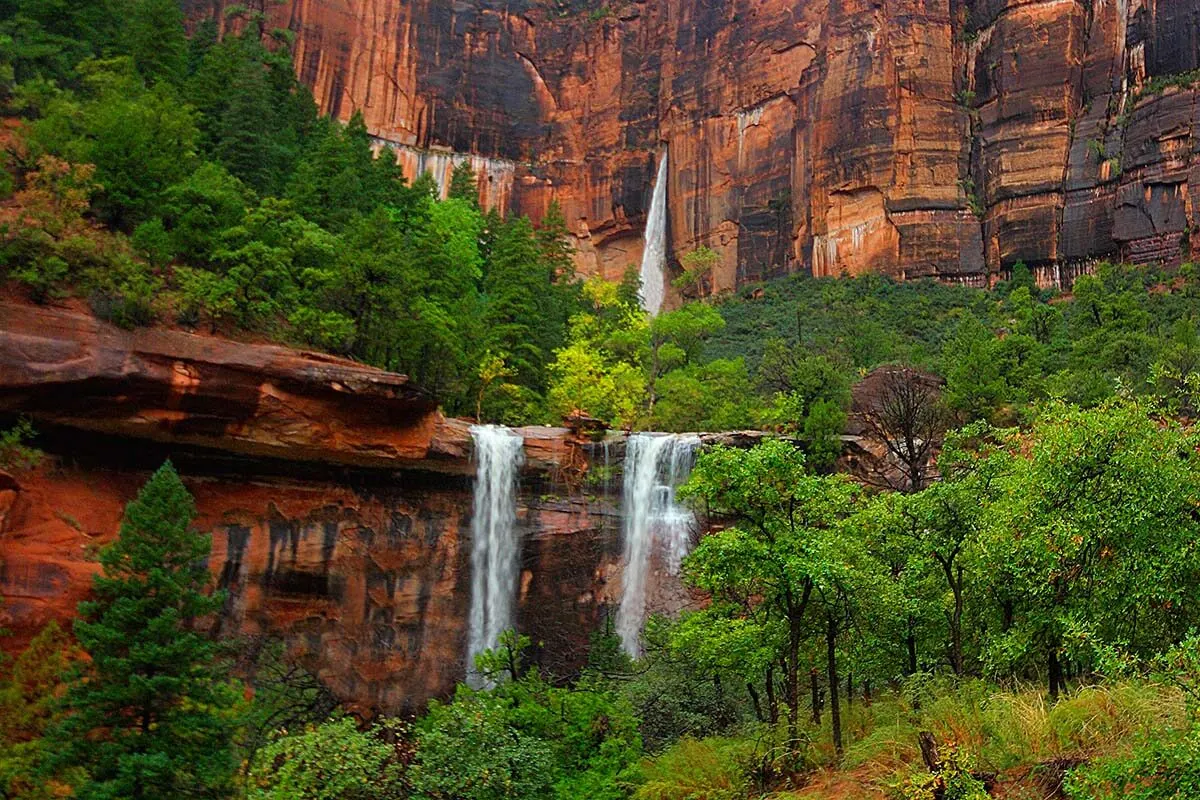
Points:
463	185
514	285
151	715
153	35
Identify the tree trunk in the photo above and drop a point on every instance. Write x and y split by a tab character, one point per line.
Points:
957	625
793	680
867	693
910	641
816	697
758	712
850	690
772	700
1053	671
835	712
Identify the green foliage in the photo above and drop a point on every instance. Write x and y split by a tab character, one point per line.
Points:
152	712
787	558
954	782
28	695
1094	532
15	451
463	185
710	768
525	738
331	761
140	140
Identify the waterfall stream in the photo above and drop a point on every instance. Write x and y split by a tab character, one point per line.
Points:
495	548
654	254
655	465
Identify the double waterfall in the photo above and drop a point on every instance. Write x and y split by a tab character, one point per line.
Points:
653	523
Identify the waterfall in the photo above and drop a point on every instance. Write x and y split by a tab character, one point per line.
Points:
495	548
654	255
655	465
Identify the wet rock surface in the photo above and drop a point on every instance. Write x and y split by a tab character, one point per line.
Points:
948	139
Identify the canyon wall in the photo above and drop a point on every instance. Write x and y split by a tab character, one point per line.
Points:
945	138
338	498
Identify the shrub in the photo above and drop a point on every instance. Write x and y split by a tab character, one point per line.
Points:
697	769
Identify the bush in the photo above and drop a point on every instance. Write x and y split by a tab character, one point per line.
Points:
697	769
15	453
333	761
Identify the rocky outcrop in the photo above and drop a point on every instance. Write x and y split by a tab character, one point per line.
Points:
949	138
338	498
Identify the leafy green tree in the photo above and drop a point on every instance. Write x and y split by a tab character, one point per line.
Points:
331	761
267	258
254	119
512	286
1095	530
676	338
199	208
704	397
525	738
764	571
339	178
140	141
152	712
600	370
48	38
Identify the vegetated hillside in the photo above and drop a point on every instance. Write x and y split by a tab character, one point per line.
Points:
1122	329
190	181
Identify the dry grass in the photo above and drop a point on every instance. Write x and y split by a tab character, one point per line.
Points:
1018	734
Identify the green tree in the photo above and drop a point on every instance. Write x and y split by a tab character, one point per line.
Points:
331	761
676	338
152	712
28	695
1095	531
513	285
782	551
463	185
152	34
140	141
525	738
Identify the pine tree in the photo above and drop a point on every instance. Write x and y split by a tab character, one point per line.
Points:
514	284
463	185
152	714
153	35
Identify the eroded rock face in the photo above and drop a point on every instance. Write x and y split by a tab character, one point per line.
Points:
338	498
368	583
945	138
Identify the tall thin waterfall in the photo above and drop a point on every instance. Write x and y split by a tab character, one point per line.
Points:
495	549
655	465
654	256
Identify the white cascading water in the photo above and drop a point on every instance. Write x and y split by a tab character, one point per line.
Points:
495	548
655	465
654	255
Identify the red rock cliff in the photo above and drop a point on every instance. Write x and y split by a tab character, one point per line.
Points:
949	138
338	498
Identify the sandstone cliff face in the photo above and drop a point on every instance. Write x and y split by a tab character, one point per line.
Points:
338	499
947	138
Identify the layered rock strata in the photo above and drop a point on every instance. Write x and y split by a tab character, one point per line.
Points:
338	498
944	138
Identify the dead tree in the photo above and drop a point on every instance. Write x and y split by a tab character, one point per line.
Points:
900	408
